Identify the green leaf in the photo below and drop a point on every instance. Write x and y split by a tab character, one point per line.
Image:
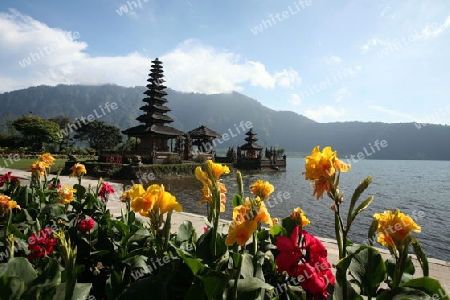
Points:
81	190
289	225
427	285
213	285
185	231
421	257
402	293
372	231
11	288
361	207
366	266
356	194
251	284
237	200
19	267
247	266
277	230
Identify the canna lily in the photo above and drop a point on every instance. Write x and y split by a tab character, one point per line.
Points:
78	170
298	215
38	168
394	227
47	158
217	169
66	194
240	233
323	164
262	189
7	204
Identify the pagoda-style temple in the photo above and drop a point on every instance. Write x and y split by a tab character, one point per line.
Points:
156	138
249	156
202	138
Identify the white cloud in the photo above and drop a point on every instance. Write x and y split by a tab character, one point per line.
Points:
287	78
430	31
34	54
341	94
324	113
372	43
333	60
295	99
391	112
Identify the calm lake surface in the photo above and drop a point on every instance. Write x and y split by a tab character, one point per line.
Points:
411	186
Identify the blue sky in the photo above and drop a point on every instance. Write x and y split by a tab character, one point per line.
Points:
355	60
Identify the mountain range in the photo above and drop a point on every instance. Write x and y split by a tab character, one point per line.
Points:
224	112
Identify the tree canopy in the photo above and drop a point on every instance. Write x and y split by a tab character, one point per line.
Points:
35	131
99	135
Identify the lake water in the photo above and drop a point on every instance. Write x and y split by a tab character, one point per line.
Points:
411	186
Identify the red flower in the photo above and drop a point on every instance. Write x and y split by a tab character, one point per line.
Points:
40	244
8	178
86	225
307	262
105	190
290	253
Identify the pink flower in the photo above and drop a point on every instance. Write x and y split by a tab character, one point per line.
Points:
105	190
86	225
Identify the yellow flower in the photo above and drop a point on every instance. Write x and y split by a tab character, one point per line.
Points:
341	166
47	158
66	194
240	232
201	176
155	197
217	169
298	215
78	170
38	168
394	227
167	202
207	195
7	204
135	191
263	215
242	213
262	189
320	164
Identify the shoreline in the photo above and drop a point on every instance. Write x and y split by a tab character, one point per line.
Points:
439	269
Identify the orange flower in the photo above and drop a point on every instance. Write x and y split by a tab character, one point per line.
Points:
320	165
66	194
47	158
321	186
394	227
263	215
154	198
298	215
135	191
7	204
78	170
38	168
261	188
240	232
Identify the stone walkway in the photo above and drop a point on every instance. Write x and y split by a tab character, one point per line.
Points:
439	269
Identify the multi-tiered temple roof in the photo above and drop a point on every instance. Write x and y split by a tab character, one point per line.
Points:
154	117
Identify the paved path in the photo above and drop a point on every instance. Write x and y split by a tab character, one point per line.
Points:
439	269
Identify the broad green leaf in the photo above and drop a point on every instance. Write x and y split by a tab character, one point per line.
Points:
185	231
427	285
277	230
251	284
402	293
11	288
19	267
366	266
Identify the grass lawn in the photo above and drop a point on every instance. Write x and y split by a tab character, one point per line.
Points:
25	163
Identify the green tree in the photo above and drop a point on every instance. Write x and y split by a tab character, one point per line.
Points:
35	131
99	135
63	123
